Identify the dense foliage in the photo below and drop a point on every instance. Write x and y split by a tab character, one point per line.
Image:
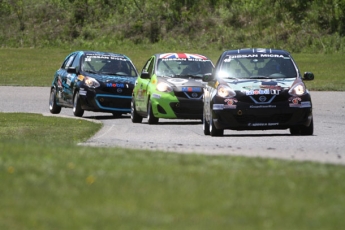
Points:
296	25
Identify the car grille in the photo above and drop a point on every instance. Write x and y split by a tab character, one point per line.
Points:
124	92
114	102
187	107
269	99
189	95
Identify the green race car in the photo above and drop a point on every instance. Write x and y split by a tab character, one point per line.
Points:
170	86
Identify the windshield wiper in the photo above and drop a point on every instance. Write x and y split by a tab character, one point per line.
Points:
90	71
188	76
260	77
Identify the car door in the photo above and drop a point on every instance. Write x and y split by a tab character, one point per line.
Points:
143	85
71	79
63	83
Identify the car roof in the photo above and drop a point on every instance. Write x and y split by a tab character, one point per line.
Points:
180	55
88	52
256	51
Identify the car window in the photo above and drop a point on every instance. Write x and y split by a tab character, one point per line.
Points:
151	66
76	61
242	66
68	61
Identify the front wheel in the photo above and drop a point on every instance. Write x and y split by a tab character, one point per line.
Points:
151	119
53	107
135	117
303	130
77	110
205	125
213	130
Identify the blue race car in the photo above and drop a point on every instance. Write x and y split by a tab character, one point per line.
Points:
93	81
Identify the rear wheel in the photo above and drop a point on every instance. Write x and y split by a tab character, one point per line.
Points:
135	117
77	110
117	115
53	107
151	119
213	130
303	130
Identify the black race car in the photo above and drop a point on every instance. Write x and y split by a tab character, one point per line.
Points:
93	81
257	89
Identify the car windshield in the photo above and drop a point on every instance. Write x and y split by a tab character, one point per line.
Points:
257	66
177	67
108	65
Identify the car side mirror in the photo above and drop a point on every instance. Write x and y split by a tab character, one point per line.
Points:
71	70
207	77
145	75
308	76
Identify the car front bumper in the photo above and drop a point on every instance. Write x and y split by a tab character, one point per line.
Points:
101	101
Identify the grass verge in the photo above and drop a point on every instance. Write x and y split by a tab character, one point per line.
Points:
50	183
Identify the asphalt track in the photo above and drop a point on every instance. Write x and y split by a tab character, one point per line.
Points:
327	145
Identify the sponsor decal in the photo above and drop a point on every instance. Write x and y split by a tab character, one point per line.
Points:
230	101
262	92
263	124
276	87
218	106
295	100
104	57
157	96
68	81
305	104
272	55
191	89
262	106
235	56
302	104
59	82
82	92
182	56
177	80
115	85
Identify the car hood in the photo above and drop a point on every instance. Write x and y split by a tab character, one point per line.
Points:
180	84
254	84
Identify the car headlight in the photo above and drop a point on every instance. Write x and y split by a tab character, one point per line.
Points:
297	89
91	82
225	91
163	87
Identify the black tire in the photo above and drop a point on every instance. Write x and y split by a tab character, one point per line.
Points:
151	119
303	130
117	115
53	107
77	110
135	117
214	132
205	125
